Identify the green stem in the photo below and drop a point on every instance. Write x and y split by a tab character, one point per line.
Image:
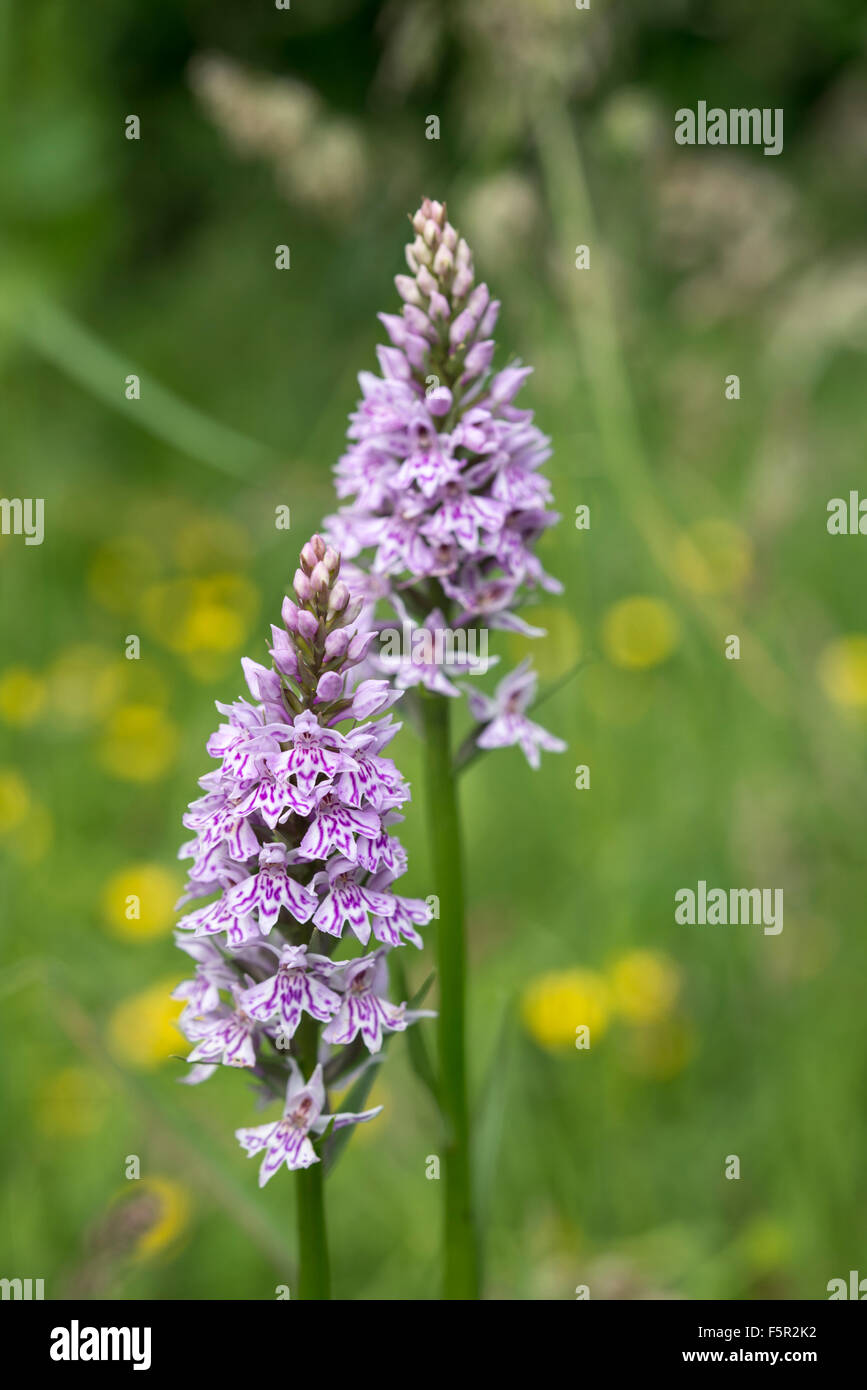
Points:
314	1272
461	1276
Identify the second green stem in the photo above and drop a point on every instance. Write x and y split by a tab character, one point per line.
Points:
461	1275
314	1272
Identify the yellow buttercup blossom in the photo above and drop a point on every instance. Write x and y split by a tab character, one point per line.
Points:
211	614
138	902
220	614
71	1102
138	744
22	696
714	557
644	986
639	632
843	671
173	1205
15	800
562	647
555	1005
142	1031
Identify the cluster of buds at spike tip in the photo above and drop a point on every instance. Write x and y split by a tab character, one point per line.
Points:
440	261
317	646
293	843
443	498
446	322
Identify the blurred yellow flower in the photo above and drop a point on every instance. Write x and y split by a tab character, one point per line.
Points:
173	1205
639	632
119	570
661	1050
15	800
141	1029
71	1102
220	614
644	986
22	695
138	902
85	683
138	744
555	1005
843	671
562	647
714	557
212	614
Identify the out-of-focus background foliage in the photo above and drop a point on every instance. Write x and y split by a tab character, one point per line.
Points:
306	127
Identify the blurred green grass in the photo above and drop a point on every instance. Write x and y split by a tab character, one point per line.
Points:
603	1167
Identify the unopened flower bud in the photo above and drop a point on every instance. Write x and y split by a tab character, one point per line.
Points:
479	357
320	579
439	401
301	585
421	251
443	262
478	300
339	597
330	686
336	643
283	652
489	319
426	282
463	282
408	290
308	625
461	328
289	614
359	643
419	322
